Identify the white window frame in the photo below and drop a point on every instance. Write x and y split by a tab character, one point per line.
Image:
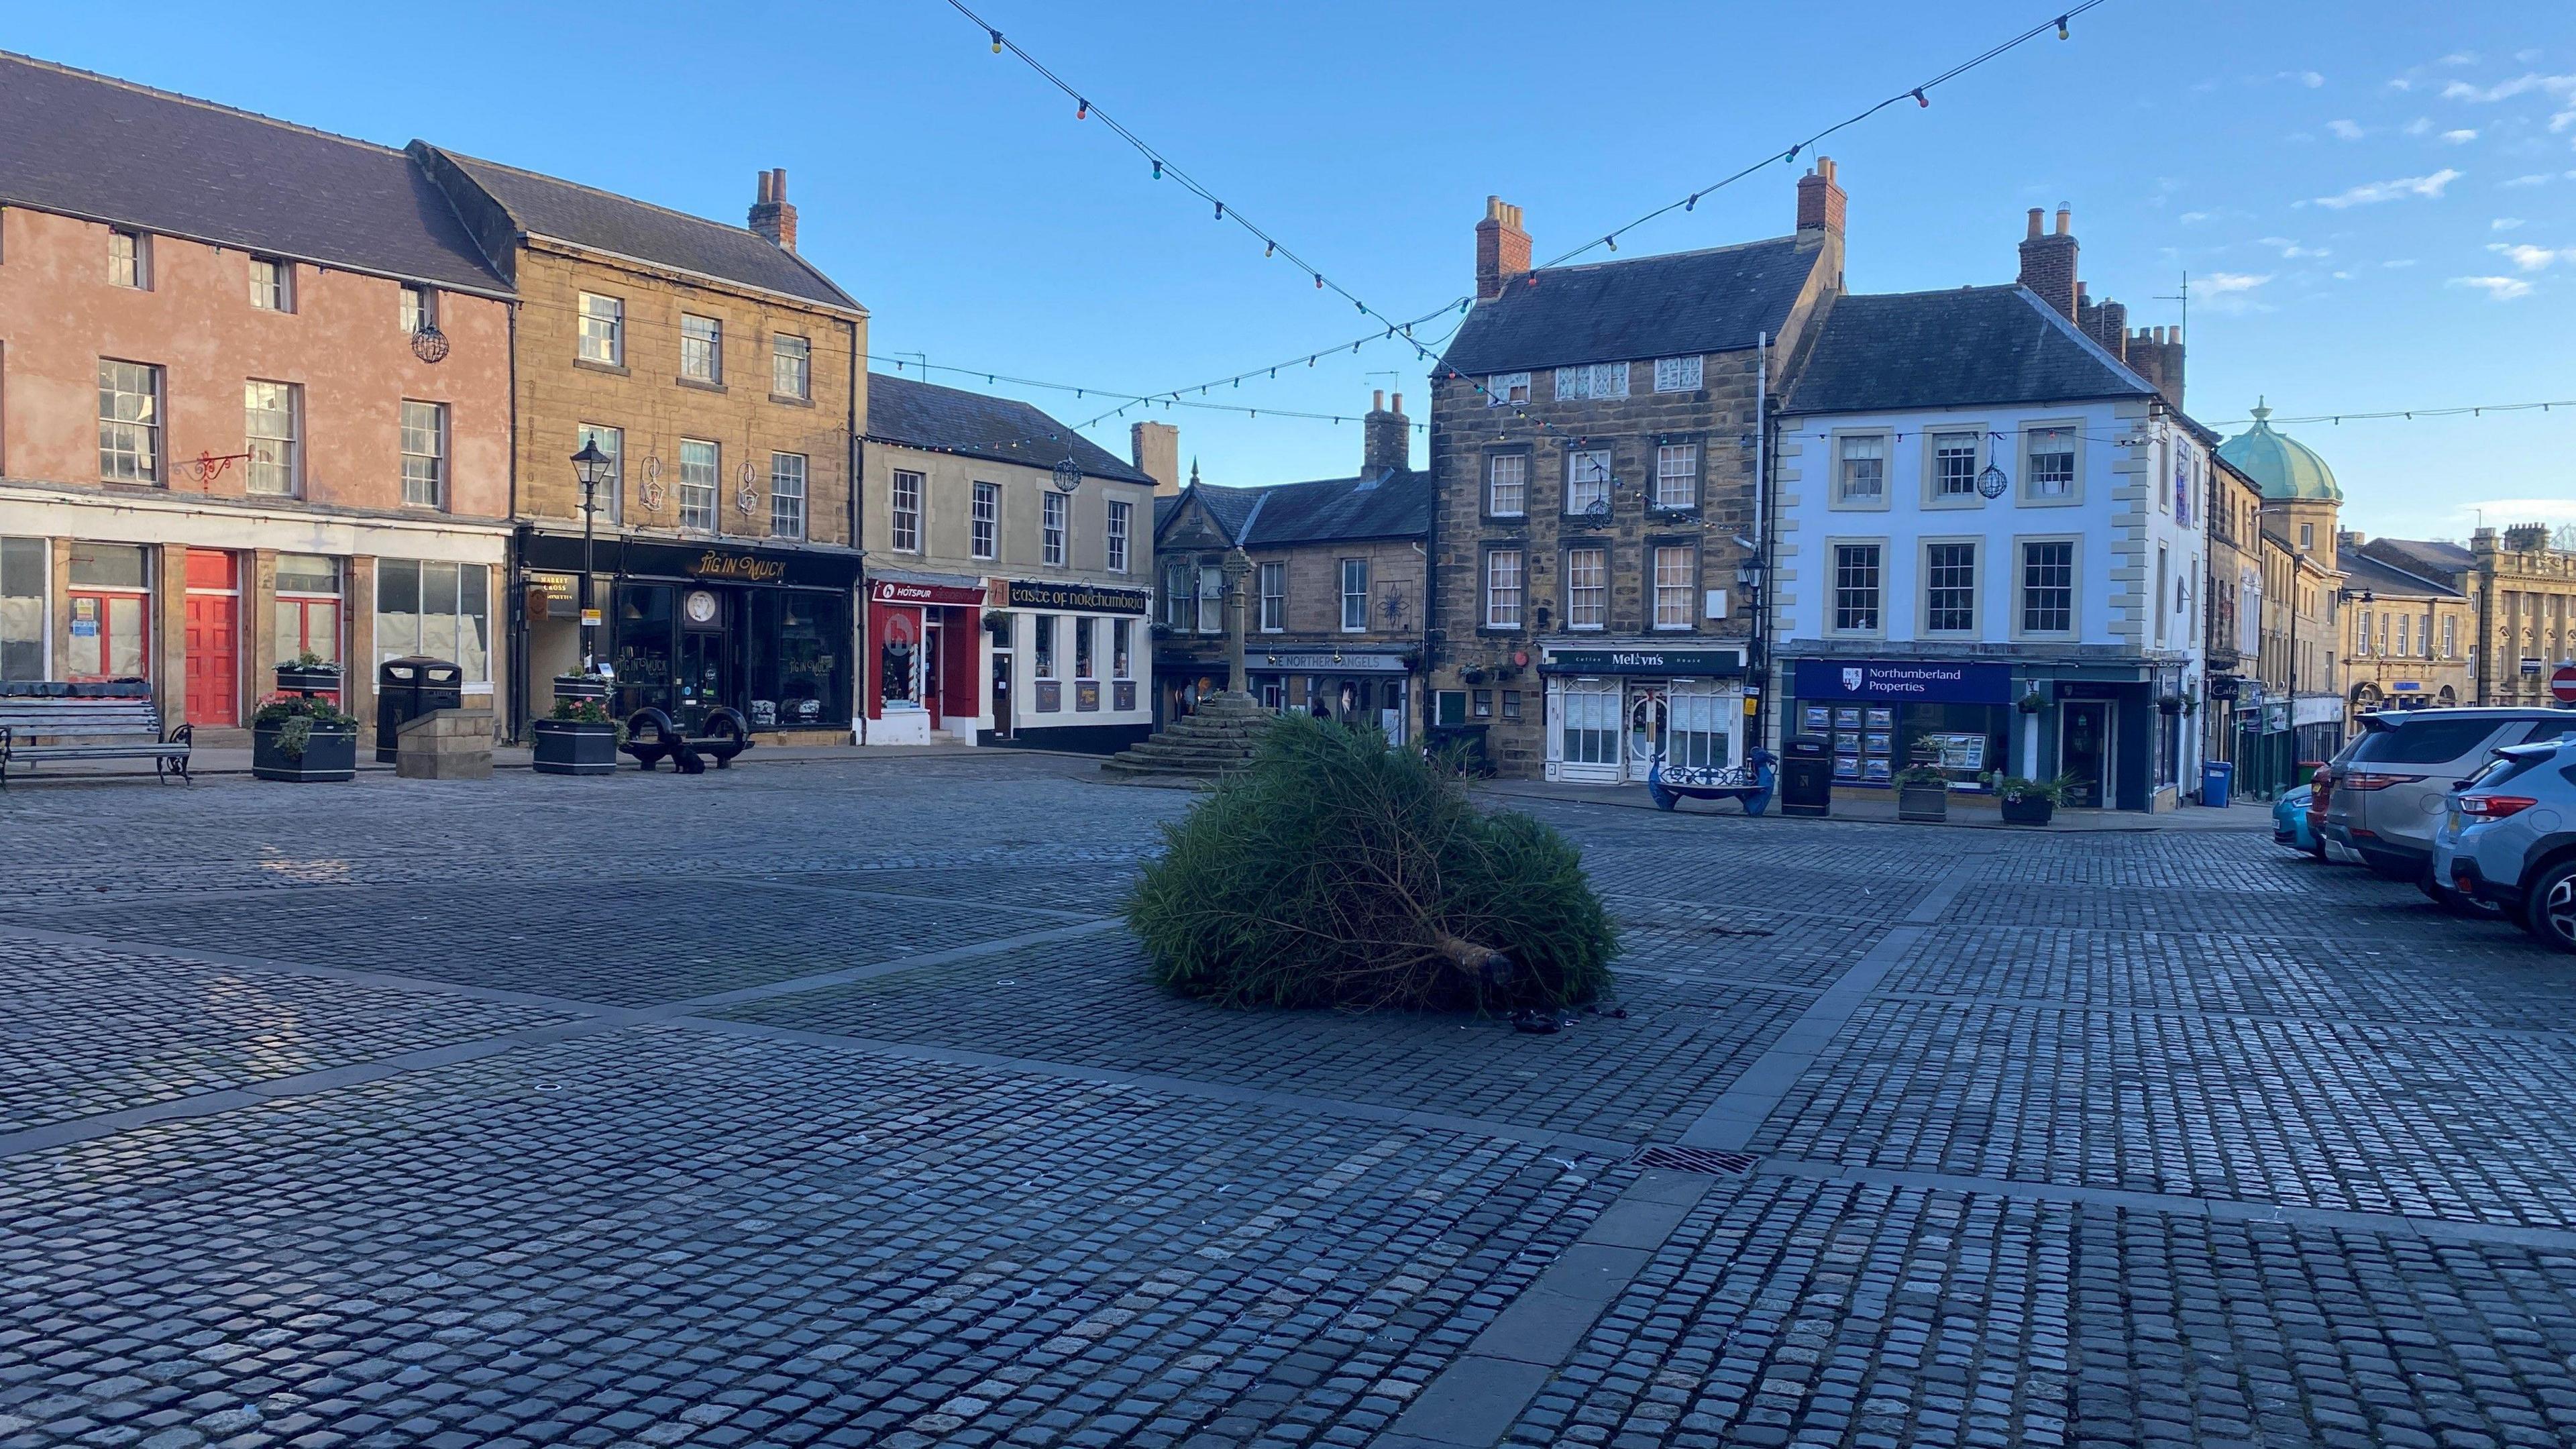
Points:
1833	619
1114	536
1852	450
1677	476
1519	484
1506	598
272	284
129	259
1055	528
1673	596
904	499
424	470
699	498
1975	586
1678	374
2037	492
1587	587
611	441
1587	477
137	437
1592	380
275	456
791	361
702	349
1591	726
418	308
1274	597
1504	388
2021	586
1938	445
1355	603
472	580
1211	605
602	323
984	523
787	477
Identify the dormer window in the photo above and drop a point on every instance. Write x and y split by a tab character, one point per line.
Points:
1507	387
1677	374
1595	379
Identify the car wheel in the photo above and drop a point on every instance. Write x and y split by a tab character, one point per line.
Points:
2550	910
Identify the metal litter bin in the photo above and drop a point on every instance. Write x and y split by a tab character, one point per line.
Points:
408	688
1806	775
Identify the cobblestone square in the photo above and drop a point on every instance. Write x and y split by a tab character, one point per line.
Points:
829	1103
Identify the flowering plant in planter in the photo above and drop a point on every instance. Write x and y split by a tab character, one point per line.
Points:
2032	703
580	738
307	672
299	737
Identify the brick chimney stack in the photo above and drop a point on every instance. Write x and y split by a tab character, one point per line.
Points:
1156	447
2048	262
772	219
1386	437
1502	248
1820	214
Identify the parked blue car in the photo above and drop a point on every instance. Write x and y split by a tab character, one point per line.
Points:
2290	822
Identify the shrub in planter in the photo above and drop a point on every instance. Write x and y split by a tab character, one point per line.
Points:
581	738
580	686
2033	702
2027	802
1922	793
297	737
1337	872
309	673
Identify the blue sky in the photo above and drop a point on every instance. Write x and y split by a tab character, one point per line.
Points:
2376	201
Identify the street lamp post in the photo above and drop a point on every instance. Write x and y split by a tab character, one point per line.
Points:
590	466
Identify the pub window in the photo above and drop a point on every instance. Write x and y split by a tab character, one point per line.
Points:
1506	387
701	349
1596	379
1042	631
1274	597
1587	588
603	330
1856	587
1587	479
1056	520
791	366
787	495
1484	704
1676	374
1082	648
906	500
1507	485
1115	555
1677	474
1512	700
1355	573
985	529
608	498
1211	599
1180	594
1503	589
1676	579
1122	639
701	463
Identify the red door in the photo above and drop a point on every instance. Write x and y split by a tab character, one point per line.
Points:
214	639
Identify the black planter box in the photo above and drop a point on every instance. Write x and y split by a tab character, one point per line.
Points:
2026	809
580	686
1923	802
574	747
299	679
328	755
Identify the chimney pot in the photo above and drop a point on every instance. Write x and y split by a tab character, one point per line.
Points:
1156	449
1399	403
2034	221
772	219
1377	400
1386	439
1502	248
2065	219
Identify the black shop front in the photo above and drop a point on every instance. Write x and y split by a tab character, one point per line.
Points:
688	627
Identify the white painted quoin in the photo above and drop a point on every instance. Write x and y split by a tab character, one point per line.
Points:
1964	479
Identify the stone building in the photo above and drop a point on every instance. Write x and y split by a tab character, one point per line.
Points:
2300	653
1333	579
2408	638
720	372
1009	563
2232	684
239	422
2521	598
1595	445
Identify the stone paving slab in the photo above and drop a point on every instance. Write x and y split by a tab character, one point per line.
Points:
85	1031
1090	1003
2404	1120
658	1234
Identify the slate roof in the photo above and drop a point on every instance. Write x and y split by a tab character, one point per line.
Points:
1717	300
913	413
1396	504
604	221
105	150
2431	557
2361	571
1967	347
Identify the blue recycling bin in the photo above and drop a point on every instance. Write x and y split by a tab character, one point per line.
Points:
2217	783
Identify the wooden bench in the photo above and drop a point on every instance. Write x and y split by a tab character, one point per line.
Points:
1749	783
651	737
76	728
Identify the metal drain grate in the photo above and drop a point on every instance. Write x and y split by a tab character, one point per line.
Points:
1695	1159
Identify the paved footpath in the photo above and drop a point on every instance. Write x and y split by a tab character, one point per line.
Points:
829	1105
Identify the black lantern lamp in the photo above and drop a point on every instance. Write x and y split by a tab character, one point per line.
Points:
592	467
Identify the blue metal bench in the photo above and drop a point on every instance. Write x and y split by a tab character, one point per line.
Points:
1749	783
89	728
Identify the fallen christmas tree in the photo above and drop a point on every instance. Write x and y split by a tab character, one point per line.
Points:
1335	871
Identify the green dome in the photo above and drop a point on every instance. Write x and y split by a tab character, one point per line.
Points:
2288	469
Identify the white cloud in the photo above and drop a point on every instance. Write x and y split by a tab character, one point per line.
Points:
2343	276
2401	83
2372	192
2543	509
2460	137
2505	90
2346	130
2459	57
2307	78
2504	223
2291	250
2419	125
2536	178
2231	292
2400	262
2526	56
2500	289
2190	217
2219	283
2531	258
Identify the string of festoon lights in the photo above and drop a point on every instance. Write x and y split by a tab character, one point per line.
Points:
1163	168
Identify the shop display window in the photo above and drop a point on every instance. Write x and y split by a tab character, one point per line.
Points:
23	563
797	668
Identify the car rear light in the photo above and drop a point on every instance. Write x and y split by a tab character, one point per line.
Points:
2366	781
2495	807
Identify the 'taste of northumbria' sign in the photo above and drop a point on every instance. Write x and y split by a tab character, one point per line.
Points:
1076	598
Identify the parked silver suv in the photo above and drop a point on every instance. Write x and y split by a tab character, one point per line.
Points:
2389	782
2510	839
